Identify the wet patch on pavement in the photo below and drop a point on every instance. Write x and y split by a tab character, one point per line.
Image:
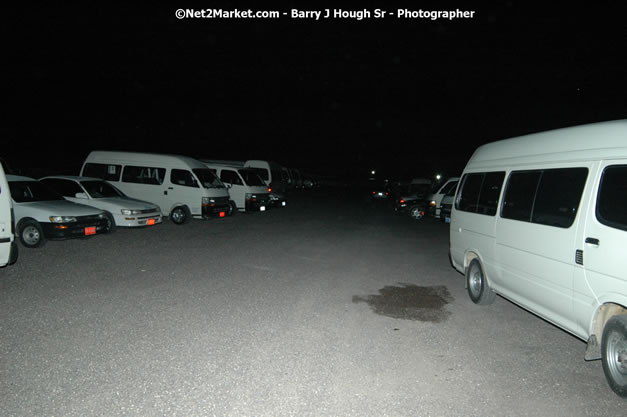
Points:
410	302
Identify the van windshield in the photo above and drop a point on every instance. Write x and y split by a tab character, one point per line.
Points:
29	191
251	177
207	178
263	173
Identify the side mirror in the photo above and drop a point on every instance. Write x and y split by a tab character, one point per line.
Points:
228	184
81	195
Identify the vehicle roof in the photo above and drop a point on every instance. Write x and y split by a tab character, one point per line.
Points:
71	177
601	140
223	163
143	157
11	177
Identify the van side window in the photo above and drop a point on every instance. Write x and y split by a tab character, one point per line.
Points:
479	193
143	175
612	198
183	177
106	172
550	197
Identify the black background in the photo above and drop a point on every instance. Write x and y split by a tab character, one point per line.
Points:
332	97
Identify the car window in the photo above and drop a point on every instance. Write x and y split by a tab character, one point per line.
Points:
479	192
30	191
230	177
101	189
612	198
207	178
67	188
251	177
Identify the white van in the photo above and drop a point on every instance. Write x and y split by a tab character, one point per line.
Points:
8	246
435	199
182	187
270	173
246	188
542	220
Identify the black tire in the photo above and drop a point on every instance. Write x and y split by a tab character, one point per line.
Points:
180	215
232	208
111	226
614	354
416	213
478	289
31	233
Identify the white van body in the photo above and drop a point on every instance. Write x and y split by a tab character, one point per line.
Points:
270	173
542	220
435	199
182	187
248	194
8	246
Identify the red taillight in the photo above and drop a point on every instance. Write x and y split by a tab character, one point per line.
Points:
402	201
373	193
222	213
387	193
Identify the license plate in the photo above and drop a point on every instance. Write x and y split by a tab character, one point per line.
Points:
262	208
447	219
90	230
150	222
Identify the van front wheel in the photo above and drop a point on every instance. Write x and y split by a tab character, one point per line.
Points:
478	288
614	354
180	215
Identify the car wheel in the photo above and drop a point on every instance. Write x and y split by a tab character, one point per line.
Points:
31	234
478	288
416	213
614	354
110	225
180	215
232	208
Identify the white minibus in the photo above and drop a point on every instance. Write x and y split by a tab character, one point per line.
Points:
8	246
542	221
270	173
246	189
182	187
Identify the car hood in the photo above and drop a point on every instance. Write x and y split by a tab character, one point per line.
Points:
118	203
54	208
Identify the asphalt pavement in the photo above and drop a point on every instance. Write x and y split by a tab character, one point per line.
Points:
332	306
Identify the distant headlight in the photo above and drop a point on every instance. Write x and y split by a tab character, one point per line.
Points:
432	203
129	212
62	219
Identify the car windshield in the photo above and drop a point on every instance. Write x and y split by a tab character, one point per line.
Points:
101	189
30	191
251	177
207	178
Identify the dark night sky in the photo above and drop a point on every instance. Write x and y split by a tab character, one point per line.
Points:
333	96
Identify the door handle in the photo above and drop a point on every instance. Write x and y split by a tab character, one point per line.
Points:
592	241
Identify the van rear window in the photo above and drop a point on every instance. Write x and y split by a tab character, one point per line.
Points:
108	172
550	197
612	199
479	192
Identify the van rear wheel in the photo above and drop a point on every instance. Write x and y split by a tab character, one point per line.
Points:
478	288
180	215
614	354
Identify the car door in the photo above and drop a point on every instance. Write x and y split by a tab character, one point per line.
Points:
604	240
536	237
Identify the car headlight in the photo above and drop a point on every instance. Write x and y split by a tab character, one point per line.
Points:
432	203
129	212
62	219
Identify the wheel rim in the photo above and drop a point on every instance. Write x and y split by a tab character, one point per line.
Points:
415	213
617	357
475	281
31	235
178	216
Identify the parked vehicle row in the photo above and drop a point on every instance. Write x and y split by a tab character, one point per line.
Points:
129	189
